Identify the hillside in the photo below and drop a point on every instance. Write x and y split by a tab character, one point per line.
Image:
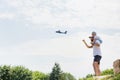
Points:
106	75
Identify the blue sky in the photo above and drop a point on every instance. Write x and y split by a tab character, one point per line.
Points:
28	38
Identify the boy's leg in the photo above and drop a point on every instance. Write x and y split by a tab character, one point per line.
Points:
96	65
96	68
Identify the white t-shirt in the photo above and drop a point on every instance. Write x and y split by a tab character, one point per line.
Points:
98	38
96	49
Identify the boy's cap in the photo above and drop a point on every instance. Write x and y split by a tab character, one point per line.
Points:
94	32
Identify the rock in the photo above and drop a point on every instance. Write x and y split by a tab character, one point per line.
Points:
116	66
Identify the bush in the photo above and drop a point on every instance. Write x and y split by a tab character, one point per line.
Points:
107	72
89	76
117	77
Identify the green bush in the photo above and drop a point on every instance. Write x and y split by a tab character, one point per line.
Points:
89	76
107	72
82	79
117	77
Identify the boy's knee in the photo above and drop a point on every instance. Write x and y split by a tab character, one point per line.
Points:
95	64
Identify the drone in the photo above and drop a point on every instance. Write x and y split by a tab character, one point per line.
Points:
60	32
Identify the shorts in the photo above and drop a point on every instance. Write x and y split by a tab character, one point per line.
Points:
97	58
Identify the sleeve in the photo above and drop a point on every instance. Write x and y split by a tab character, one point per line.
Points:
97	42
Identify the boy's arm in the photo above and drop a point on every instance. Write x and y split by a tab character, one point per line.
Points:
87	44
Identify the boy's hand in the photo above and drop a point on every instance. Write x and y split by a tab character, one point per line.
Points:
83	40
87	44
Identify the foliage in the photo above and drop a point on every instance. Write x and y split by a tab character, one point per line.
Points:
89	76
107	72
56	72
14	73
117	77
67	76
21	73
39	76
5	73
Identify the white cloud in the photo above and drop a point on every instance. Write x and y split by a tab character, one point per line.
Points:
77	13
106	14
64	45
117	34
67	45
7	16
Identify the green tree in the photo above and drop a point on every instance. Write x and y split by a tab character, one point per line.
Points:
67	76
21	73
36	75
5	73
56	72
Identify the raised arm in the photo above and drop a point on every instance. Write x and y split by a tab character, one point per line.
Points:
87	44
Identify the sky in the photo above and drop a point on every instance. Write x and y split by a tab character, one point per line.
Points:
28	38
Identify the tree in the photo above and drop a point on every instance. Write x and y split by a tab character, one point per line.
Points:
67	76
56	72
21	73
39	76
5	73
